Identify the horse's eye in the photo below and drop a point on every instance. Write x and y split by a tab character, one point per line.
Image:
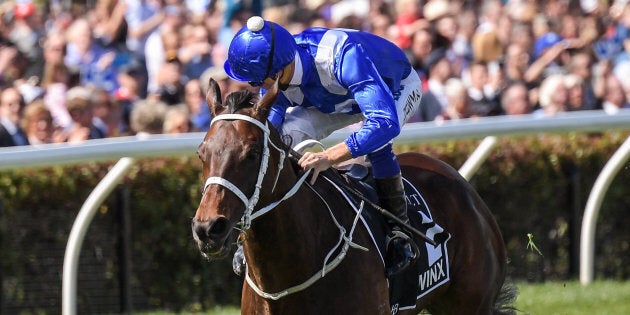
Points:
253	155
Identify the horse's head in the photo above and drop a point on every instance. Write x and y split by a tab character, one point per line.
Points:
234	154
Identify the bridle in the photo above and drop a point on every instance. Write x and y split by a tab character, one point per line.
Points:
250	203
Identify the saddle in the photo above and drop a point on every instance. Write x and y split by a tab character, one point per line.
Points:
431	269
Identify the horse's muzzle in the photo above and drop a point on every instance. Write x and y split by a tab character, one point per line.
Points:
212	237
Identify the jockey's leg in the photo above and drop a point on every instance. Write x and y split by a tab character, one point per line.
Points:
302	123
401	252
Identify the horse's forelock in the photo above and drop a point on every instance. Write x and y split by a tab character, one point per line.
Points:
240	100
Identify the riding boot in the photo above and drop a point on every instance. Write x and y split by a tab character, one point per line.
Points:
401	251
238	261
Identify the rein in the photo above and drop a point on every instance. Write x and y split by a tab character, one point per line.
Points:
251	202
329	265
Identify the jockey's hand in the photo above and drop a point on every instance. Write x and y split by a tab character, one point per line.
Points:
317	161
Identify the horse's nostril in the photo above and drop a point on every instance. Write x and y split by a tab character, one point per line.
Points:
218	228
201	230
210	230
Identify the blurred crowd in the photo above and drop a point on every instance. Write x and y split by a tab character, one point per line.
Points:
76	70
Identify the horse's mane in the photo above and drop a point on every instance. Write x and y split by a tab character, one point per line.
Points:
236	101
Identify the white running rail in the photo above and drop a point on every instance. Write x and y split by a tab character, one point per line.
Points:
79	228
591	212
124	148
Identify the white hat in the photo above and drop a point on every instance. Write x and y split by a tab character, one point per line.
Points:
588	6
78	92
436	9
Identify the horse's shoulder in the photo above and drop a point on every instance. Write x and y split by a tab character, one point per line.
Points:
428	163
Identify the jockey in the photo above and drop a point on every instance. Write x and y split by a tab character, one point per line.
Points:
330	79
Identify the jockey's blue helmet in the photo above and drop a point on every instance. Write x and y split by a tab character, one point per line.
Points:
259	50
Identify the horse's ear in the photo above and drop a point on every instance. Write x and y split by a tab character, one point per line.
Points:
262	108
213	98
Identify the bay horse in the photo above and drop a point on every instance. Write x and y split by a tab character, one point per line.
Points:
305	251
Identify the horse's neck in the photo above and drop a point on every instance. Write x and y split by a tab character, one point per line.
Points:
290	242
288	225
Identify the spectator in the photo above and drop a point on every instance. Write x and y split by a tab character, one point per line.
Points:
170	81
110	27
350	21
515	99
521	35
575	92
54	48
92	61
553	96
163	40
601	70
234	19
526	40
462	44
486	43
521	12
6	8
142	17
147	117
581	65
381	22
516	61
11	107
38	124
57	78
458	101
622	30
421	47
434	100
13	63
198	8
615	98
439	14
349	13
569	27
81	108
107	113
609	43
26	34
555	9
7	55
235	13
550	53
129	78
56	86
176	119
213	21
621	71
195	52
195	101
408	21
483	95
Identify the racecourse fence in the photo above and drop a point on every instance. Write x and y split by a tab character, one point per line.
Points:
127	148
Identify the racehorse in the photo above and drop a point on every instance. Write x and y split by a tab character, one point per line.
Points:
305	248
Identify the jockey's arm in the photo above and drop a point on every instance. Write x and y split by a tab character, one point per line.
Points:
338	153
359	74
